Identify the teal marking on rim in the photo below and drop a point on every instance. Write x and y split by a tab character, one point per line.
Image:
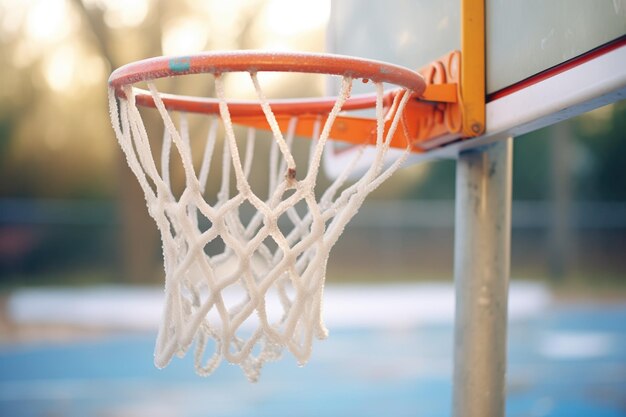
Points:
180	64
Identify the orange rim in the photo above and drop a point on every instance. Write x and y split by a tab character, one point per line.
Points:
257	61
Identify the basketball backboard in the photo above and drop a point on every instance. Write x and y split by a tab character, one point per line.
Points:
538	63
544	61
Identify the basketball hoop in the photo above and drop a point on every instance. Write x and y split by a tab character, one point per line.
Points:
262	260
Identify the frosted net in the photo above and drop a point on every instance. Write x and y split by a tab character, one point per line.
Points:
262	293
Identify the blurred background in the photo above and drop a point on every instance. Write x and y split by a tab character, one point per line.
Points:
72	215
71	211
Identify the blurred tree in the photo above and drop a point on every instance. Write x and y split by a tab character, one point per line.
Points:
601	134
53	113
41	87
138	236
560	229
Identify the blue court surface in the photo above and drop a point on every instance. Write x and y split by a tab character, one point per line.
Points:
565	359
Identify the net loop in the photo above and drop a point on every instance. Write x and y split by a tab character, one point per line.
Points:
261	293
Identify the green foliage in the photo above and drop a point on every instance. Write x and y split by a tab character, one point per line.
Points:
6	128
531	171
439	182
602	135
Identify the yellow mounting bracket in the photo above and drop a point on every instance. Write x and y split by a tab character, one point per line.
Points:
453	105
437	116
447	110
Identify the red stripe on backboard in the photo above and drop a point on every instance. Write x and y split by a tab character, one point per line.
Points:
558	69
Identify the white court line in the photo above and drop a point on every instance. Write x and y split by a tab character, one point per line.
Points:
139	308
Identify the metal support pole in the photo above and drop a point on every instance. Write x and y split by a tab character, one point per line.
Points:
481	273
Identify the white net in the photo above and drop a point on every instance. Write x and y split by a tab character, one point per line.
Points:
262	293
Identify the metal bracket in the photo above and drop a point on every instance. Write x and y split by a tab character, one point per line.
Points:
436	117
439	115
